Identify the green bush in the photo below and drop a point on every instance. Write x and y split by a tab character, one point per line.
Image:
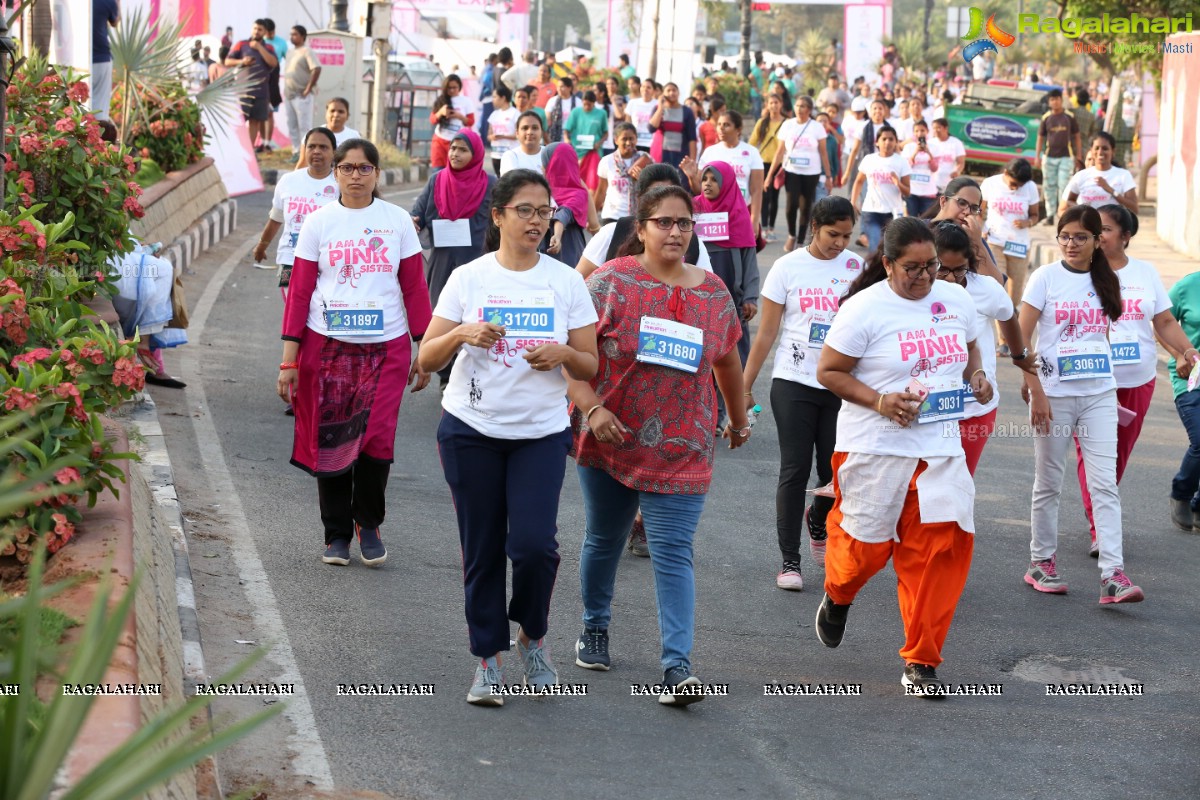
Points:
170	132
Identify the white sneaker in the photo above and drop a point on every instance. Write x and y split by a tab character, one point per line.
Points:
789	577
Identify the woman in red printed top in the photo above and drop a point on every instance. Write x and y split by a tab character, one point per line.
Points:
357	297
644	425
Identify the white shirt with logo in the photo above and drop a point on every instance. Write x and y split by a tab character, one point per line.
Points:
802	145
297	195
639	112
358	253
883	182
992	303
1005	206
615	170
743	158
921	180
1143	297
897	340
1072	321
809	289
946	154
519	159
504	125
1083	184
494	390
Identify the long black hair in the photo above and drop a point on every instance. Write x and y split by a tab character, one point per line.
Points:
502	195
897	235
1104	279
647	204
948	235
443	98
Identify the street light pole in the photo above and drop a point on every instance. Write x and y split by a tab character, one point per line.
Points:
538	44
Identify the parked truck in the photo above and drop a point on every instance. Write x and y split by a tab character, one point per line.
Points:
997	123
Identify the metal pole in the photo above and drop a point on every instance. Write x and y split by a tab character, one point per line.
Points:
538	44
745	62
337	20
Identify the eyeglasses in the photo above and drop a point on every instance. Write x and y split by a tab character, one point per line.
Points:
527	212
350	169
967	205
666	223
957	272
913	270
1080	238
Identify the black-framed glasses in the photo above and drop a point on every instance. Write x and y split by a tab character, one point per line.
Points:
913	270
1080	238
527	211
666	223
361	169
966	205
958	272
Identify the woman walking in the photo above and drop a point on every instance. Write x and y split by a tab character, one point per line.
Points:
528	152
745	160
1011	207
354	303
898	354
885	174
502	125
765	137
802	293
617	174
521	323
1102	182
575	210
644	426
451	113
922	177
804	159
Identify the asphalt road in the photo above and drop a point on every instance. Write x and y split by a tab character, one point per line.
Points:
255	540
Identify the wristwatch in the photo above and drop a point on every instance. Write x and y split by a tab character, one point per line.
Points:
1024	355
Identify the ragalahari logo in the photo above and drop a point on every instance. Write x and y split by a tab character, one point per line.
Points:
995	36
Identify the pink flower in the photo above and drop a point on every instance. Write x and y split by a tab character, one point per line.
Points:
65	125
78	92
92	353
33	356
69	391
16	398
67	475
128	372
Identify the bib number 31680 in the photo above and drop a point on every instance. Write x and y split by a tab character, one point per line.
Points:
670	344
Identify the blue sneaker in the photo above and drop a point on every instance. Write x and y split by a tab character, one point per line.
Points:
539	672
680	687
370	547
337	552
489	675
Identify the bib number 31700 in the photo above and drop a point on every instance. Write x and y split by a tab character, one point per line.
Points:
670	344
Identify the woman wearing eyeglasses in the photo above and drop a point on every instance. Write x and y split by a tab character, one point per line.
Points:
994	306
521	324
644	426
1072	304
574	211
899	353
357	298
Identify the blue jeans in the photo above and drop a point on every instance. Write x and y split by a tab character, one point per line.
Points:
1186	484
671	521
872	226
1056	173
917	205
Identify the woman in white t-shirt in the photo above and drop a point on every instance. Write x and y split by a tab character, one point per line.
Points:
1011	206
802	292
803	158
1072	304
885	173
639	111
528	152
745	159
1103	182
502	125
452	111
356	301
337	112
1146	316
922	179
898	353
520	323
617	176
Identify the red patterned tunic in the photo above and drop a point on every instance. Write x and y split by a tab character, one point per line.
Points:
670	413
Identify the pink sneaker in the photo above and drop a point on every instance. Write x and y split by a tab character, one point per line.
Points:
1043	576
816	538
1117	588
789	577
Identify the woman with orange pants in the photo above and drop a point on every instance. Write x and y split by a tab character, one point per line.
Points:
898	354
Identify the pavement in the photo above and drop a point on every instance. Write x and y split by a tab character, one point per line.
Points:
255	541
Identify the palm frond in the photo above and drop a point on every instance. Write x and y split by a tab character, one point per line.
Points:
218	100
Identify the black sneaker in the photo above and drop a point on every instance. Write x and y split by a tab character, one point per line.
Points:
337	552
591	651
370	546
924	680
680	688
831	622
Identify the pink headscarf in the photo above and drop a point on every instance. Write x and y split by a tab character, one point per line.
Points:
457	193
566	187
729	201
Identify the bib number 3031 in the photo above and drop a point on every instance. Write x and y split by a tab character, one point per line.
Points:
670	344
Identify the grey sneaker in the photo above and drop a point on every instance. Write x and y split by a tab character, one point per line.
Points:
1182	516
924	680
539	672
488	675
1117	588
1043	576
591	651
680	688
337	552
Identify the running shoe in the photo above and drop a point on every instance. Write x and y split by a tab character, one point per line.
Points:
924	680
1043	576
1094	547
831	622
1182	516
1003	351
337	552
817	536
680	688
535	660
591	651
789	577
289	411
1117	588
370	547
488	674
637	539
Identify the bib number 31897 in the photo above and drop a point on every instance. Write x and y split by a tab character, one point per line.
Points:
670	344
357	319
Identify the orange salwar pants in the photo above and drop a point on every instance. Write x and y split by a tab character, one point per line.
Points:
931	563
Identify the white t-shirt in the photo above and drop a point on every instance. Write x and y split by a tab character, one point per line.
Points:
895	341
504	125
615	169
358	252
597	248
1083	184
809	290
1072	331
495	391
743	158
852	130
920	179
519	159
947	154
639	112
904	129
991	303
346	134
451	127
297	195
1004	207
1135	354
883	182
802	146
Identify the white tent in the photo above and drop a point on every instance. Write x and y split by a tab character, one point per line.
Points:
568	55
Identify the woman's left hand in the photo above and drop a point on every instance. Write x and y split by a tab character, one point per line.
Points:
547	357
420	376
735	438
748	311
1184	366
981	388
555	245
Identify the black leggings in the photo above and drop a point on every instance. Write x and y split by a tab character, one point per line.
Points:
800	188
496	166
805	419
770	205
354	496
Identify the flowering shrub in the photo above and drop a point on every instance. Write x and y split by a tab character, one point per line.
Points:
170	132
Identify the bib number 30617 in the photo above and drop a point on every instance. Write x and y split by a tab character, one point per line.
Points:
1082	361
670	344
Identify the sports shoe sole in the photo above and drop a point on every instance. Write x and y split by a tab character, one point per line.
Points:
670	699
487	700
817	628
1045	589
371	562
904	681
597	667
1130	597
341	562
797	587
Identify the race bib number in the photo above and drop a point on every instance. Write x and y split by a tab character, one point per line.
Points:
1078	362
343	318
713	227
1015	249
523	315
587	141
817	330
919	177
944	402
672	141
451	233
670	344
1126	349
798	161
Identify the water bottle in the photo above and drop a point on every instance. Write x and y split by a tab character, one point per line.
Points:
752	414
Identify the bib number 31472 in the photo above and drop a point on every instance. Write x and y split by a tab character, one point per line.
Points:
670	344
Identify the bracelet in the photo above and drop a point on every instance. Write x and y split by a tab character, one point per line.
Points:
264	241
879	404
588	415
742	432
751	394
976	372
289	365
